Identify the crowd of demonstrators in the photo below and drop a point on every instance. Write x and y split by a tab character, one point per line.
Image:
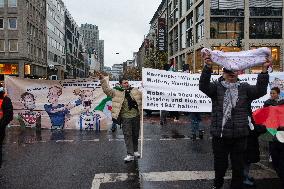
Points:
6	115
230	102
126	106
276	147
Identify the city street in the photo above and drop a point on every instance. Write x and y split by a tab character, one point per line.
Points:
90	160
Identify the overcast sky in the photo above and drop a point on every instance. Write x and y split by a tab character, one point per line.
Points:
122	23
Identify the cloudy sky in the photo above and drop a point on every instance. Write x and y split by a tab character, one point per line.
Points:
122	23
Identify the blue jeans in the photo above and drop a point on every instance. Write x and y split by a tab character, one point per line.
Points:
195	122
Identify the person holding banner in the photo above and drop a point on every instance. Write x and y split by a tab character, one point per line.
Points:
229	126
6	115
126	105
276	146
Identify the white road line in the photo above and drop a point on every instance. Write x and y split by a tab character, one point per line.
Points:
93	140
64	141
171	176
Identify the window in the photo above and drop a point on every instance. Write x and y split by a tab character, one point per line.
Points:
1	23
12	23
2	3
2	45
226	28
265	28
12	3
200	32
13	45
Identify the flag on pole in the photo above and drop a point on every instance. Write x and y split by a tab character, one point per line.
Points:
272	117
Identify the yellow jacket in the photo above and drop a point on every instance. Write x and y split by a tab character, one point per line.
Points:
119	96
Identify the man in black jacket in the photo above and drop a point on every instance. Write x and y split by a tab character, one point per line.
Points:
6	115
229	127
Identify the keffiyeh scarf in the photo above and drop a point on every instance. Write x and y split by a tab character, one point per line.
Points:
230	100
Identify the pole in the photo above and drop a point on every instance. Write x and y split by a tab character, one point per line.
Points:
142	124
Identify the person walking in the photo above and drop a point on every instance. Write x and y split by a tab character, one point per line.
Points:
229	128
6	115
126	106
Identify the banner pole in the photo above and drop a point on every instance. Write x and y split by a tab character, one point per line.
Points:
142	126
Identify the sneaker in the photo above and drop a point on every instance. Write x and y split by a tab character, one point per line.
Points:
270	159
129	158
137	155
214	187
176	120
248	183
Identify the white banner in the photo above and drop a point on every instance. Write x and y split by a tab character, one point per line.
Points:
176	91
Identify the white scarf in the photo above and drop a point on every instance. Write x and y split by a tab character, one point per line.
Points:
239	60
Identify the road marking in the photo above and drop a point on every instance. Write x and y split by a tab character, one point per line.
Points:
93	140
171	176
64	141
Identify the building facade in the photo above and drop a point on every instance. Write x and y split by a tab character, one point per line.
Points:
101	54
75	63
224	25
23	38
55	21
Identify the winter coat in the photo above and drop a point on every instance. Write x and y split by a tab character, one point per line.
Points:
7	109
271	102
237	125
118	97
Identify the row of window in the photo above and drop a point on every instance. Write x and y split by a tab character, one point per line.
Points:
35	51
55	58
34	31
52	14
59	7
12	23
11	3
37	13
53	43
12	45
55	30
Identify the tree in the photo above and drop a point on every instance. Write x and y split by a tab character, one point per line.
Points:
156	59
133	74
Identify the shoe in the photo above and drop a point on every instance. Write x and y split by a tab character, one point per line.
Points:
129	158
201	132
137	155
248	182
176	120
270	159
214	187
193	137
113	130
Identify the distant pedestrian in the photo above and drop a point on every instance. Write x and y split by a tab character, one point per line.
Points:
196	125
6	115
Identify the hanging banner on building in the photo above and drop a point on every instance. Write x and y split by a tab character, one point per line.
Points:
67	104
175	91
161	34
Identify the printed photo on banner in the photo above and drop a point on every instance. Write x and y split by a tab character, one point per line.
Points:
69	104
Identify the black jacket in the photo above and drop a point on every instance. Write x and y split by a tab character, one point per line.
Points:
7	109
237	126
271	102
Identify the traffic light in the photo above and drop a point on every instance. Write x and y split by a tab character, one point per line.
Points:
239	42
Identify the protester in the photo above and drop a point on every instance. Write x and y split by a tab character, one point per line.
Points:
276	148
196	125
230	102
6	115
252	153
127	105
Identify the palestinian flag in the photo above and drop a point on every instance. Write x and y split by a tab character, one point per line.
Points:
272	117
